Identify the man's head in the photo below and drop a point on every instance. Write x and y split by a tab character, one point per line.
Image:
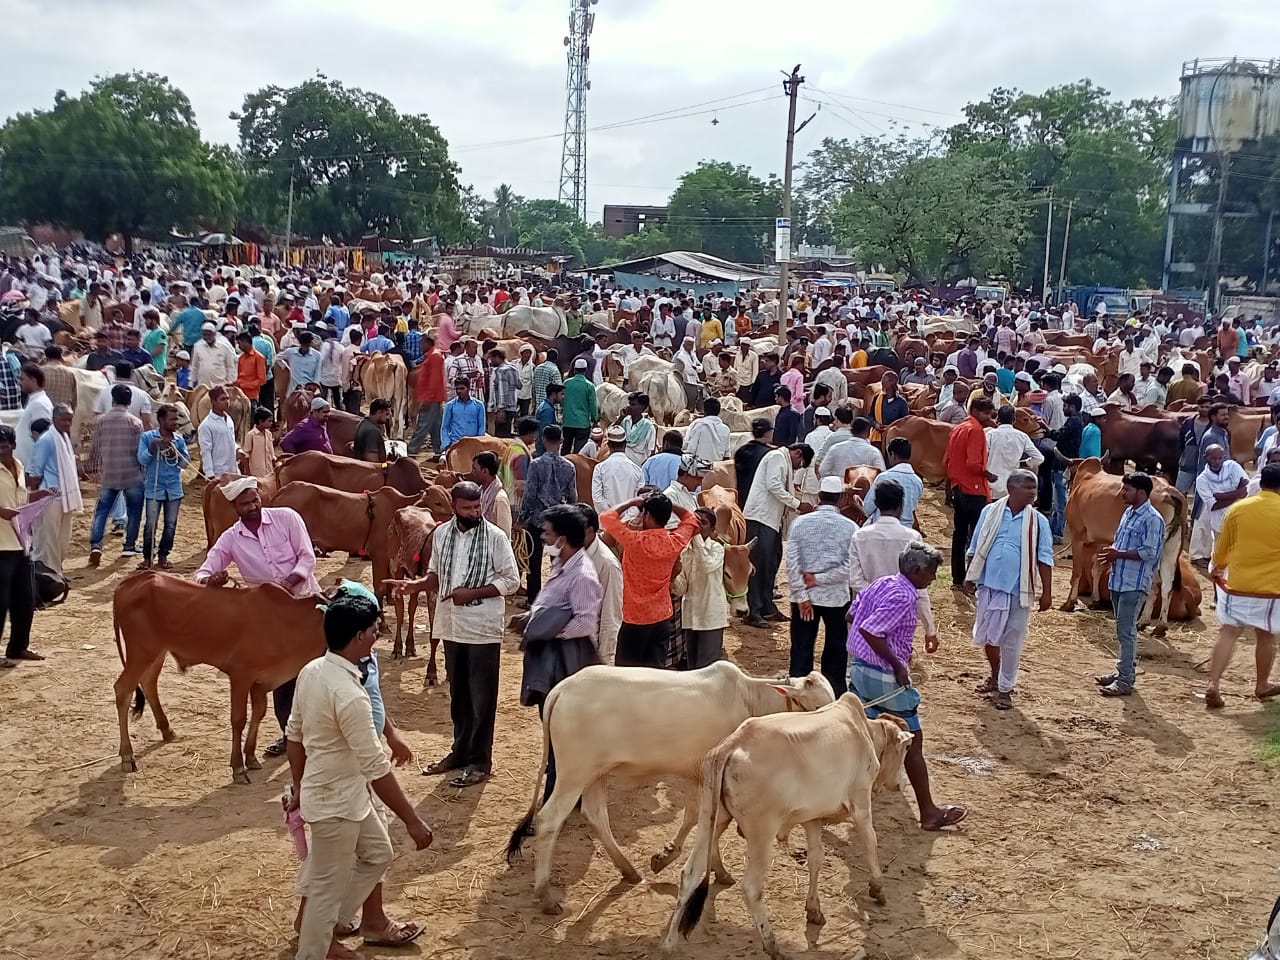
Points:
244	342
1136	489
761	429
1219	414
1164	375
555	392
31	379
617	439
637	404
983	410
380	411
121	395
1214	456
918	562
208	333
860	427
1005	415
889	383
484	467
889	498
1125	383
1022	486
1071	404
655	512
465	497
220	400
551	437
801	455
351	626
320	410
462	387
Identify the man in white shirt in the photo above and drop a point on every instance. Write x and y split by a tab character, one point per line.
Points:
1157	389
663	328
1008	449
687	366
878	544
219	452
1220	484
708	437
213	360
632	352
821	348
822	419
746	363
37	406
857	451
525	367
609	573
772	494
335	760
32	332
615	479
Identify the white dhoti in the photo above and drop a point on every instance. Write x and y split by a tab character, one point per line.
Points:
1257	613
998	621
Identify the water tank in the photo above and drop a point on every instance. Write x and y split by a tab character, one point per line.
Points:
1227	103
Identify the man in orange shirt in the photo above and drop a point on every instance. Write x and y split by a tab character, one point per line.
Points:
251	367
965	463
648	556
431	398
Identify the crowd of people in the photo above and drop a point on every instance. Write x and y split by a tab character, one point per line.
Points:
635	577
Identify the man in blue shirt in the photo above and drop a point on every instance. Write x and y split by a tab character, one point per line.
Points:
660	470
548	412
303	361
190	318
1011	552
1133	556
163	454
338	315
379	342
463	415
411	344
267	347
898	454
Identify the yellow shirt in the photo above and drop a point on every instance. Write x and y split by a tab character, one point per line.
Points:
12	495
711	330
858	360
1248	548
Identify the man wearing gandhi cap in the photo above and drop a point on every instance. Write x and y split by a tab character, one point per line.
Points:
267	545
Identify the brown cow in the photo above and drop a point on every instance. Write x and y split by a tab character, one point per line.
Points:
385	376
721	474
1244	426
1147	441
155	613
584	468
731	527
220	513
1093	513
857	484
928	444
458	456
353	476
908	348
865	375
411	531
355	522
240	411
1184	604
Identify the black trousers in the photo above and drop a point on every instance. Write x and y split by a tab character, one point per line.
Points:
703	647
351	400
267	396
17	600
473	702
575	438
533	582
835	654
766	555
968	507
643	644
282	702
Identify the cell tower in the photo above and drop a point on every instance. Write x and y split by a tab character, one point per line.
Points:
573	155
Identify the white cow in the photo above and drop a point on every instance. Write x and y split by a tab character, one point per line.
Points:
775	773
611	400
665	390
640	722
546	323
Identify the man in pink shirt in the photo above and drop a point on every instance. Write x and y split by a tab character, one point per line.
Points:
267	545
793	380
446	329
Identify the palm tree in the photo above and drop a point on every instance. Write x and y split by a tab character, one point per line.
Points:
505	203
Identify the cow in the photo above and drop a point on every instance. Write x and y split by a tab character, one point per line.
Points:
611	400
857	484
1147	441
355	522
410	533
584	468
386	376
353	476
548	323
665	390
1184	604
240	411
861	376
458	456
1244	426
928	444
731	528
777	772
220	513
1093	513
722	473
639	722
154	614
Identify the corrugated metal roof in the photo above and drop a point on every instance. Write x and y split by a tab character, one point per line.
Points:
702	264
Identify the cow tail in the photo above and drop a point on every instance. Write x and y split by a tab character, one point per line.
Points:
524	829
1179	519
139	698
709	805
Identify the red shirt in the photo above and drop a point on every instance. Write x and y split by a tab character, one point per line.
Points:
966	458
499	298
431	377
648	557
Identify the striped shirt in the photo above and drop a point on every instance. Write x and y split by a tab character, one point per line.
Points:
886	609
504	387
1141	529
819	544
543	374
113	453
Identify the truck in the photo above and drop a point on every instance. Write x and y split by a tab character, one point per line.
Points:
879	285
15	242
1086	300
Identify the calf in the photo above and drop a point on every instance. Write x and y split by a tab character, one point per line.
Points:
411	531
774	773
640	722
260	637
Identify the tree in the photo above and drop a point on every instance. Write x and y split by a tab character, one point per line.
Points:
358	165
725	210
937	216
124	156
503	213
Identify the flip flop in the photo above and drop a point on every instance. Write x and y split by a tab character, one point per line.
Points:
1003	701
950	817
986	686
441	766
1271	691
469	779
1214	701
408	932
6	663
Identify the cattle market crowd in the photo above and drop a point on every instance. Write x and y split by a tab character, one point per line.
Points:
614	475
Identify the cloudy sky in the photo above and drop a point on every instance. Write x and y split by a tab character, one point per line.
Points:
488	72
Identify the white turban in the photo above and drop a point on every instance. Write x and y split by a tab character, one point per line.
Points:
238	486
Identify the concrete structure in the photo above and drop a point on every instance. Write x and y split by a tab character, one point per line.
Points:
622	219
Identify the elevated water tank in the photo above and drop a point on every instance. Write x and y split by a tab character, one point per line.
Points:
1227	103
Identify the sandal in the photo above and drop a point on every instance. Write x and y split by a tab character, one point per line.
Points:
276	749
986	686
470	779
1106	680
950	817
1269	692
401	935
1213	700
1003	701
446	765
6	663
164	564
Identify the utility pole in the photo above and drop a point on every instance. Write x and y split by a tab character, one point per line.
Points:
1048	242
782	244
288	222
1066	236
1215	242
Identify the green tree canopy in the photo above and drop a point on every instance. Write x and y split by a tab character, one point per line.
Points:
359	166
724	209
125	156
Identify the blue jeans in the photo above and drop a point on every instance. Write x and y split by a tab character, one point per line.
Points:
1127	605
107	498
1058	521
170	526
120	510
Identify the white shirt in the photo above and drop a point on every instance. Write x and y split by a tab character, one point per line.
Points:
834	378
218	446
139	402
35	335
213	364
1131	362
1210	483
820	350
333	720
849	452
874	554
1007	447
615	480
482	621
599	355
609	572
708	438
39	407
817	436
771	490
687	364
701	584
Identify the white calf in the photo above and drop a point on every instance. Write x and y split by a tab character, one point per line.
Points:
640	722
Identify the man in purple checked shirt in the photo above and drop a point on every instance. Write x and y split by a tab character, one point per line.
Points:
881	634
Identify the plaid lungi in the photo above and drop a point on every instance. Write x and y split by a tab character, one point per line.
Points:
871	683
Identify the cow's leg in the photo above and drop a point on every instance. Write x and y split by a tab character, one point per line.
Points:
1095	575
410	645
239	714
551	817
813	840
151	689
258	710
759	859
595	808
432	676
125	684
1073	591
1161	601
866	831
397	651
669	850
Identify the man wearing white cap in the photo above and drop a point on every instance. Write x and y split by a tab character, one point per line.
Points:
686	364
580	408
213	361
708	437
267	545
615	479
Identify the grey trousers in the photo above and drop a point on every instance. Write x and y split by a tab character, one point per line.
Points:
346	861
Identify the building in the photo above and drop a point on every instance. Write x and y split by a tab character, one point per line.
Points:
622	219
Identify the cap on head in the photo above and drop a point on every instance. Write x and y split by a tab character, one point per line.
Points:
831	485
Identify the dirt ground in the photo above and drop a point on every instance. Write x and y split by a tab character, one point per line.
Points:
1097	829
